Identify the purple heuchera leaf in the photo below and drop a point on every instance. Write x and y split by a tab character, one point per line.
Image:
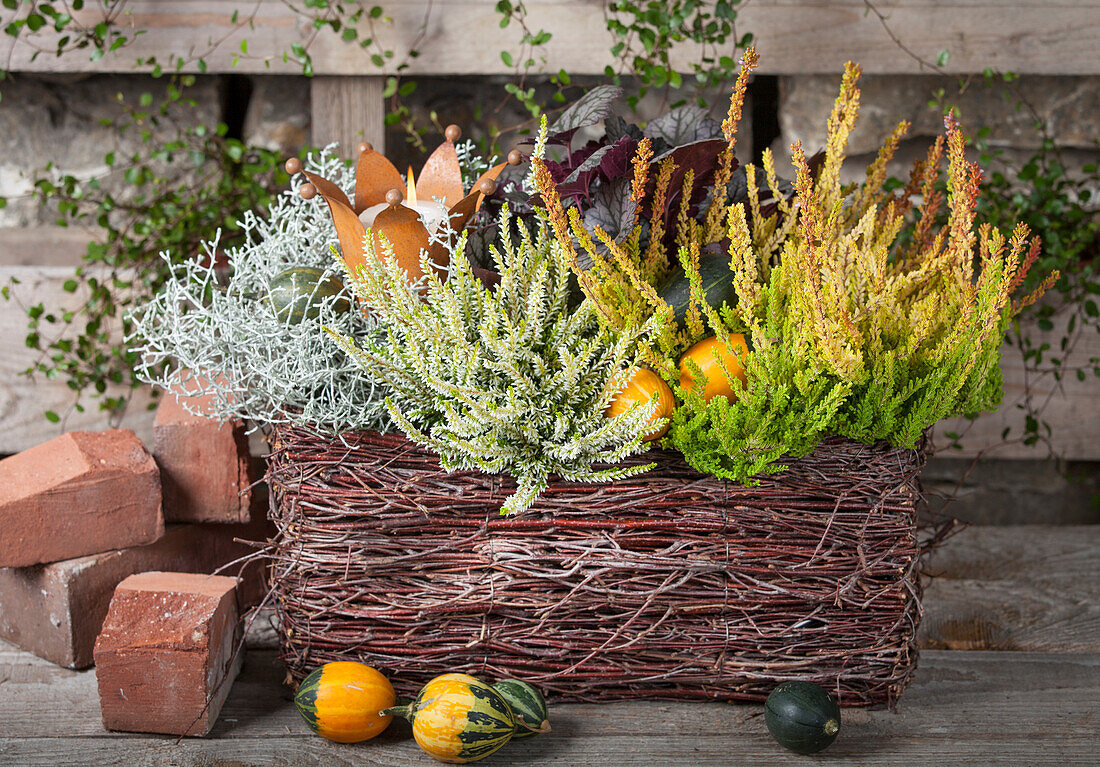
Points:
684	125
607	163
615	127
612	209
589	109
562	170
616	163
701	157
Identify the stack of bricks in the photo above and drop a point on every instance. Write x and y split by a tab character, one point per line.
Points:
85	511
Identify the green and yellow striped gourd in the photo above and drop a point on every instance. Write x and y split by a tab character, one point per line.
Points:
342	701
457	718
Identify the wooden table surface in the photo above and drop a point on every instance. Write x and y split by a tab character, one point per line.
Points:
1010	675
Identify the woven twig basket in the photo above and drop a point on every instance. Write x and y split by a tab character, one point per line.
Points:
667	585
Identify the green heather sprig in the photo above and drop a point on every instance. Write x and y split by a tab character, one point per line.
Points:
507	380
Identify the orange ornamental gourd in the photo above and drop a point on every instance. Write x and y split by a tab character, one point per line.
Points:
639	390
706	354
457	718
342	701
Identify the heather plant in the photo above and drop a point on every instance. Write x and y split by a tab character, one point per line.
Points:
667	207
510	379
852	332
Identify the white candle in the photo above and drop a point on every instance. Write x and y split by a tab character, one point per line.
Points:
431	213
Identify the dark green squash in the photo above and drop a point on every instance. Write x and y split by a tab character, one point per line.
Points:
802	717
297	293
528	707
717	282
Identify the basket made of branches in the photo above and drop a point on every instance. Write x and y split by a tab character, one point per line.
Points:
670	584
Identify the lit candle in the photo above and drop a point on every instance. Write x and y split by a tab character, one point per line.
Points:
431	213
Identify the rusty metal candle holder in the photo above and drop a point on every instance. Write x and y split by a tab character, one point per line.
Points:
379	185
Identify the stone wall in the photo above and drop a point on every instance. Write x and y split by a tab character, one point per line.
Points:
277	113
57	119
1068	105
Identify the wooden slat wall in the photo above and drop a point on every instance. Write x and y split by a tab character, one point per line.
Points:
1023	587
1071	407
464	36
348	110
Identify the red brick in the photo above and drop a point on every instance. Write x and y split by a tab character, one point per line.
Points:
165	659
81	493
56	610
205	465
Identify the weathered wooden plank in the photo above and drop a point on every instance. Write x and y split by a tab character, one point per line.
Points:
464	37
964	709
349	110
23	400
1026	587
44	245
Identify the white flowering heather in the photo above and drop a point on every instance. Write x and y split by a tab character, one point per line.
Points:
255	364
508	380
471	163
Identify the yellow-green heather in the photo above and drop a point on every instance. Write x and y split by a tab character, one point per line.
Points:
853	331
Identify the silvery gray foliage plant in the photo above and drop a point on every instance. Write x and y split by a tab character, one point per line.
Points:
510	379
228	342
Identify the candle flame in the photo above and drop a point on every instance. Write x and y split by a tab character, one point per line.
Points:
410	188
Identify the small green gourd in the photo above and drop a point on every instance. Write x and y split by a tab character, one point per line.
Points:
297	293
528	707
802	717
